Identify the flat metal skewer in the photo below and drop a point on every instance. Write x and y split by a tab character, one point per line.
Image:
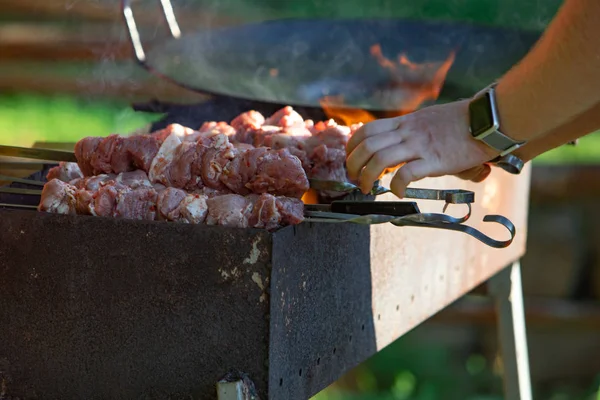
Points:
28	192
21	180
37	154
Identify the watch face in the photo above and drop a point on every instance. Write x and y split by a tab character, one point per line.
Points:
481	117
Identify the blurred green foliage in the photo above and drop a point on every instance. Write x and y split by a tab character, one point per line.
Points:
416	367
25	119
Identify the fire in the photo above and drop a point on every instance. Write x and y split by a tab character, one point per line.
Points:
411	85
414	84
310	197
334	108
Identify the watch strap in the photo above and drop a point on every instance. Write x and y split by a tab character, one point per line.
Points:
495	138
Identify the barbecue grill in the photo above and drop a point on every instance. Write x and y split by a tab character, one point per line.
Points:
109	308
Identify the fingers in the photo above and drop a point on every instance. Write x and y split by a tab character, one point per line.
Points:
476	174
371	129
386	158
366	149
410	172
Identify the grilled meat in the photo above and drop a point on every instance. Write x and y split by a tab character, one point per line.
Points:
210	160
249	173
130	196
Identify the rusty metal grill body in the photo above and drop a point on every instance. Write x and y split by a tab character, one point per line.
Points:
105	308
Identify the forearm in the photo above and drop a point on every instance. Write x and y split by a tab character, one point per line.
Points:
559	78
583	124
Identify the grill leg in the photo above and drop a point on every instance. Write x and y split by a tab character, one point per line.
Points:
506	288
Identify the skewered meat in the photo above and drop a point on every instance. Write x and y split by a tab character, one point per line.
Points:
210	162
249	173
58	197
113	198
65	171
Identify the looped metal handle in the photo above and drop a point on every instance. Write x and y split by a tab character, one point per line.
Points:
134	34
441	221
423	220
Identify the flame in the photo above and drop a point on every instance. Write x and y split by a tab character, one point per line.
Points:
411	85
310	197
414	83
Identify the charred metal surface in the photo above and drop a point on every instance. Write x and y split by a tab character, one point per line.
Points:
101	308
321	307
104	308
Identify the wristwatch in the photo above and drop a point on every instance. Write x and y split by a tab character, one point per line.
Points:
484	122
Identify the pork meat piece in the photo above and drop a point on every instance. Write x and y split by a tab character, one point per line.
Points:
260	136
209	192
104	200
246	124
120	157
93	183
101	159
263	170
242	147
168	202
141	150
84	151
65	171
83	199
172	129
231	210
295	144
241	169
216	148
193	209
159	187
328	164
58	197
322	125
213	154
291	210
159	171
286	116
280	173
213	127
180	169
138	204
265	213
134	179
334	137
214	162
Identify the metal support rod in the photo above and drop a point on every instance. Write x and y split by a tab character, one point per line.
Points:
507	290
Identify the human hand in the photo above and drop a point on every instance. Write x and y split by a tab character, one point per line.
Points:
431	142
475	174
